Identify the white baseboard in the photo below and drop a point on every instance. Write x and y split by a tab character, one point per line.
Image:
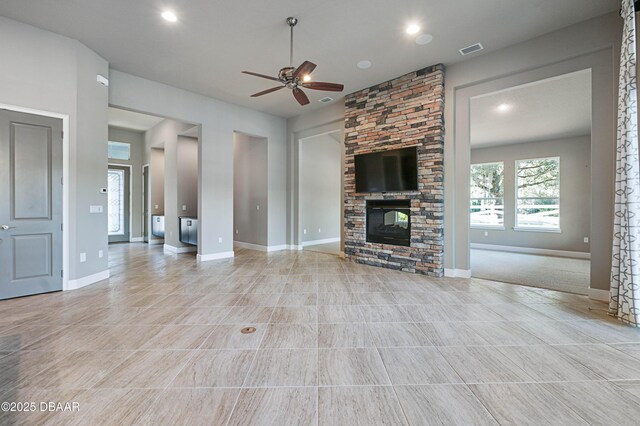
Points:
85	281
136	240
259	247
528	250
295	247
277	248
156	241
457	273
177	250
215	256
316	242
597	294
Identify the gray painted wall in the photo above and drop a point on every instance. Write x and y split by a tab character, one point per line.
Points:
136	141
215	153
250	189
48	72
156	187
187	176
594	45
575	194
320	187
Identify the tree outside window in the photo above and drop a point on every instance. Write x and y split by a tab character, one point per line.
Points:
538	193
487	195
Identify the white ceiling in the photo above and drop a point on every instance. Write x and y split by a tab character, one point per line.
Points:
215	40
555	108
132	120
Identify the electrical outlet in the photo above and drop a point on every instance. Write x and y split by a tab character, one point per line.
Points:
219	239
319	230
486	234
155	207
236	232
304	231
83	257
100	254
184	208
258	207
586	239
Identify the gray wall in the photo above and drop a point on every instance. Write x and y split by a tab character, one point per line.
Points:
320	187
136	141
156	187
575	194
187	176
594	45
48	72
215	153
250	189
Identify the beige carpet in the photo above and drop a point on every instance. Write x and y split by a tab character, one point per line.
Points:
555	273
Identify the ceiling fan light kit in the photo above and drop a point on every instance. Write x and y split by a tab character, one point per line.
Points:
296	78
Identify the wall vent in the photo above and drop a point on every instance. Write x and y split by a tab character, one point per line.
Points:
325	99
471	49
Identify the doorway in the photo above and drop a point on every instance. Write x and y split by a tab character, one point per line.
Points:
119	203
31	205
530	184
145	203
320	193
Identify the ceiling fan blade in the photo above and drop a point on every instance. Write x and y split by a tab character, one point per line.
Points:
260	75
305	68
319	85
300	96
264	92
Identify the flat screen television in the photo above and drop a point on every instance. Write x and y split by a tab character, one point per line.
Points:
387	171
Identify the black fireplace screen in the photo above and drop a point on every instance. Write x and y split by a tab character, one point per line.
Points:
389	222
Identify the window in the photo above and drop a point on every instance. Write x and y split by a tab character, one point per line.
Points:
538	193
119	151
115	182
487	195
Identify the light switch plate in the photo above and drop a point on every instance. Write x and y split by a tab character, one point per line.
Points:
184	208
83	257
95	209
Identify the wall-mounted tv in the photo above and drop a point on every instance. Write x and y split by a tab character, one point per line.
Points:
387	171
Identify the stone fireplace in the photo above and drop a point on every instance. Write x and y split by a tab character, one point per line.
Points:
399	230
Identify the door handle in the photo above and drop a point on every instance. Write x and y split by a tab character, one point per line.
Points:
6	227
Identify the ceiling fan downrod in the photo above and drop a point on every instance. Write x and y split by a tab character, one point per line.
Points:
291	21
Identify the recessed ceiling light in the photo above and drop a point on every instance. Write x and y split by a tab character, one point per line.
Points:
413	29
424	39
169	16
306	78
504	107
364	64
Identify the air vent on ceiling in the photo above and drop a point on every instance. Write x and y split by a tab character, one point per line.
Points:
325	99
471	49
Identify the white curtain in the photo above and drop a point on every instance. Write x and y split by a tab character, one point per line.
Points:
625	268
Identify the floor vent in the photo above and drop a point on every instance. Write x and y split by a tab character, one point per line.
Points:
471	49
325	99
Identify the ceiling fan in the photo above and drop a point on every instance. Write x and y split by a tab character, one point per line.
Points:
294	78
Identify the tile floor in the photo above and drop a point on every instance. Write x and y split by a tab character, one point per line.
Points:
336	344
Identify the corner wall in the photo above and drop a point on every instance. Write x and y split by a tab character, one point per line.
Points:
407	111
48	72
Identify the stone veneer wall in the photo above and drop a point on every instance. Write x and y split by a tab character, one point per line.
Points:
407	111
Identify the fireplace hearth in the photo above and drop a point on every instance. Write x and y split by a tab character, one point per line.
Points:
389	222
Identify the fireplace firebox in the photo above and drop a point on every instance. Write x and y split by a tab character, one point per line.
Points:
389	222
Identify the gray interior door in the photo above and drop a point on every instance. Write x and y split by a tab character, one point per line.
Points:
30	204
118	206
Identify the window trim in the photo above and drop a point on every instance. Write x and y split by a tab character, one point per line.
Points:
547	229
